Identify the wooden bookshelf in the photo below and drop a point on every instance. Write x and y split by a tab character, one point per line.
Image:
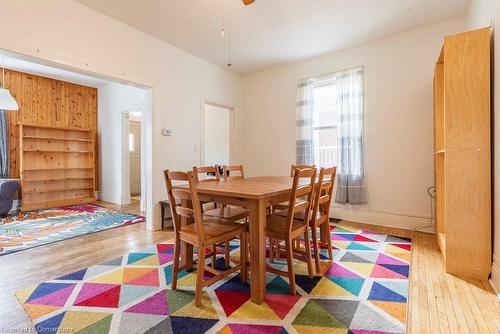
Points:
462	153
57	166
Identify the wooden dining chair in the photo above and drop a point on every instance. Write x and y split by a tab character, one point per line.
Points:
289	228
293	167
320	210
227	171
202	233
231	212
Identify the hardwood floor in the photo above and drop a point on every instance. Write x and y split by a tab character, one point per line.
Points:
438	303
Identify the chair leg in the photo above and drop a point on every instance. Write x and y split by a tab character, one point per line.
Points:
227	254
289	260
329	242
316	246
307	246
176	263
199	275
214	255
271	250
243	257
277	249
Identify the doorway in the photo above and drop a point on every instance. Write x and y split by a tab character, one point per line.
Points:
133	180
217	135
134	133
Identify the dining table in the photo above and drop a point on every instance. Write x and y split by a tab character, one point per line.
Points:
256	194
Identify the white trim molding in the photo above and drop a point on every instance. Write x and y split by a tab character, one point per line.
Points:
495	276
414	223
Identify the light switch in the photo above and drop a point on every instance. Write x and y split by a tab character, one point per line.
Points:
167	132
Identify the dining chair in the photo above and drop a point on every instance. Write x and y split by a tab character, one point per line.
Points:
293	167
203	233
231	212
289	228
320	210
227	171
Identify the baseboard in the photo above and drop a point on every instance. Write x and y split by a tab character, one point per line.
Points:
413	223
495	276
111	198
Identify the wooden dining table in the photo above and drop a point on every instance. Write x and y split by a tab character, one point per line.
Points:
256	194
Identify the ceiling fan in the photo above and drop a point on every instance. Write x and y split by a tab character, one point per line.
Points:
248	2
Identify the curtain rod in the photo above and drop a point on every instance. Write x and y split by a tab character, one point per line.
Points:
330	73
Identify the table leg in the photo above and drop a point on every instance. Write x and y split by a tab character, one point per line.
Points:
186	248
258	251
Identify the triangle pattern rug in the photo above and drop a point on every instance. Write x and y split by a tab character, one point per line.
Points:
364	290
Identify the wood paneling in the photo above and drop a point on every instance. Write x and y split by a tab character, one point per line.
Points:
463	153
47	102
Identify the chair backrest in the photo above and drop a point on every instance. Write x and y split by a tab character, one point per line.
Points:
324	191
189	206
301	195
293	167
228	172
211	171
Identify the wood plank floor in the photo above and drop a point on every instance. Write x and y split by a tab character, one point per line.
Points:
438	303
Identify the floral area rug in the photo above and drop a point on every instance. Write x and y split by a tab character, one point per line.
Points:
35	228
364	291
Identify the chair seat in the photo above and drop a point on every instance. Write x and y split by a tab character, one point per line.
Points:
281	206
231	212
216	230
276	227
298	215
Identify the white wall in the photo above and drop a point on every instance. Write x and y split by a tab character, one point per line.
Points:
68	33
398	121
482	13
113	100
217	135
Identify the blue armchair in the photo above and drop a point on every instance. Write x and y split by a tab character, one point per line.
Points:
8	188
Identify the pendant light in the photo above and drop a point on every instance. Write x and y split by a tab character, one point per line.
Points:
7	102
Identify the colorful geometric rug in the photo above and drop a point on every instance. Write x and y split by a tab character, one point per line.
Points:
35	228
364	291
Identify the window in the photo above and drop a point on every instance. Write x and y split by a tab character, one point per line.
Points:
325	123
329	129
131	142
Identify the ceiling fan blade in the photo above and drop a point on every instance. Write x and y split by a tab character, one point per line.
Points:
248	2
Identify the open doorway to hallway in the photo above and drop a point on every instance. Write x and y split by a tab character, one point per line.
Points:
121	111
217	148
134	149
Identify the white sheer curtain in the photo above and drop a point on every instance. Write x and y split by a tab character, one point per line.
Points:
350	170
304	119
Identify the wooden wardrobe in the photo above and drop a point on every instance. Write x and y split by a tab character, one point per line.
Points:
462	141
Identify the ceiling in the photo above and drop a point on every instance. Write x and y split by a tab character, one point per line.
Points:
21	65
273	32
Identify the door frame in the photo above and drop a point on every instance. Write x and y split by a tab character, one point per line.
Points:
233	155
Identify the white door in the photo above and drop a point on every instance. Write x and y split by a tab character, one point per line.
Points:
135	157
217	139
